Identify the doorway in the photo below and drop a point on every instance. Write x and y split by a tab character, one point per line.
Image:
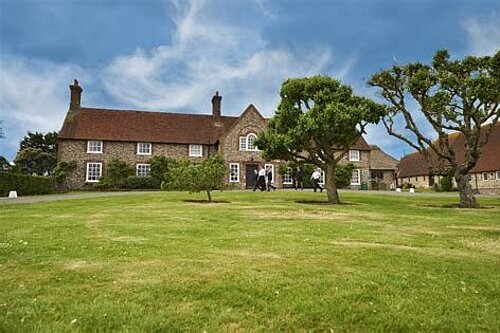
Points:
250	177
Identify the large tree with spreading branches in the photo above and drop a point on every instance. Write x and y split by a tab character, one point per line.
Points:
451	96
318	120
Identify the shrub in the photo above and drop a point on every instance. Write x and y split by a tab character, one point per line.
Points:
446	183
116	175
24	184
136	182
159	168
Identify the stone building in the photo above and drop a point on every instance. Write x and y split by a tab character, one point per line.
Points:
382	169
92	137
485	176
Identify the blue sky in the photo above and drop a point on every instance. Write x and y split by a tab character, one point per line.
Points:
172	55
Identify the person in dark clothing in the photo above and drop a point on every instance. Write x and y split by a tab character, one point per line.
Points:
299	178
255	179
269	178
261	180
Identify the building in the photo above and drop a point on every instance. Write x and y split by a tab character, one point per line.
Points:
485	176
382	169
92	137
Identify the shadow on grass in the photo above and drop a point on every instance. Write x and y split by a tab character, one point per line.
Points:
205	201
457	206
326	203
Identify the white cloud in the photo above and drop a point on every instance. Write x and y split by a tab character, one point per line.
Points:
32	98
208	54
484	35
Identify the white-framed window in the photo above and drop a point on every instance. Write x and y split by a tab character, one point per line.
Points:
94	146
356	177
272	171
287	177
143	170
234	172
248	142
94	172
485	176
243	143
322	178
195	150
354	155
498	175
143	148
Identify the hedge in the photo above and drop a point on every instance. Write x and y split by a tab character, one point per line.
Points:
24	184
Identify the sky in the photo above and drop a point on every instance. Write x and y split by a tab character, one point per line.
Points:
172	55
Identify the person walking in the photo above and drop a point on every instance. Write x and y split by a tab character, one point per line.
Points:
316	176
299	178
255	179
269	178
261	180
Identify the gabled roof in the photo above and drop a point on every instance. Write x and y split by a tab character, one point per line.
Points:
416	165
142	126
380	160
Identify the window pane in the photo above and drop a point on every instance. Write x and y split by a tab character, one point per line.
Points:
355	177
234	172
287	177
143	170
353	155
195	150
250	142
243	143
93	172
94	146
144	148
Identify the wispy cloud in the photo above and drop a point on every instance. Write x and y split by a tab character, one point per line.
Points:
32	97
484	34
265	10
208	54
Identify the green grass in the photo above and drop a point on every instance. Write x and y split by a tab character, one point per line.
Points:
263	262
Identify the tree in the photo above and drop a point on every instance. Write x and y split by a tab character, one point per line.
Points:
196	177
35	161
318	120
4	164
37	153
461	96
117	172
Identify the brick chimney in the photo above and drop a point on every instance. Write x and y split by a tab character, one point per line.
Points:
216	113
76	95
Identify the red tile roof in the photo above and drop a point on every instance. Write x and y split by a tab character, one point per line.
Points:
416	165
142	126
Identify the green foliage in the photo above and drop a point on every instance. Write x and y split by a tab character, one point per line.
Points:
4	164
37	153
159	168
63	170
35	161
196	177
24	184
317	121
446	183
343	174
116	174
142	183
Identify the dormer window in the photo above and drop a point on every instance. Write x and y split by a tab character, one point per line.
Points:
94	147
354	155
248	142
143	148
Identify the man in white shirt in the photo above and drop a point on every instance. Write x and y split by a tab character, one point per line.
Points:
316	176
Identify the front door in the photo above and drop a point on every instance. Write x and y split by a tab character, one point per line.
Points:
250	176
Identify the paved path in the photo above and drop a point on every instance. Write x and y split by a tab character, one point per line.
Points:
68	196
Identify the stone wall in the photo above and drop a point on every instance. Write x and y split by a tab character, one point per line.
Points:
490	186
363	165
76	150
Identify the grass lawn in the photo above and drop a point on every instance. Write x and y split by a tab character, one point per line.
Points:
263	262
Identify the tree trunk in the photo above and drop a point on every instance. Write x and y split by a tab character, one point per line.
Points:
209	196
331	185
467	198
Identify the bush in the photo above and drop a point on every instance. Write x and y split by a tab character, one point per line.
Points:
446	183
145	183
24	184
116	175
159	168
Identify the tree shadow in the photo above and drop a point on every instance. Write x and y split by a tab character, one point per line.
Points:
205	201
325	203
456	206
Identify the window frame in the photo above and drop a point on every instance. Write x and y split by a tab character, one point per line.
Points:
483	174
289	174
358	155
94	151
253	135
144	143
137	167
192	154
498	175
237	180
243	143
87	180
359	177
